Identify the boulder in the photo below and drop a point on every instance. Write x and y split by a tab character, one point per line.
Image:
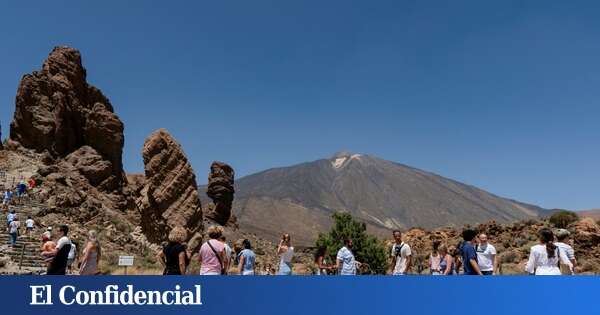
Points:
587	233
220	189
169	197
57	112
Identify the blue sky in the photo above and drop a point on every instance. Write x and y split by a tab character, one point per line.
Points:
502	95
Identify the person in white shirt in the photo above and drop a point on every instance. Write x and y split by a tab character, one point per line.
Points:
286	251
544	258
29	223
401	255
14	230
562	236
60	253
486	256
346	263
228	253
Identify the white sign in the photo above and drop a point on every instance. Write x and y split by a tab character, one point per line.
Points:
125	260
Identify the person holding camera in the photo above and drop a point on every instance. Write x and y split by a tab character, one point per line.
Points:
401	256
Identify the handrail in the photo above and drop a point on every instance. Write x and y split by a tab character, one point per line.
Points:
21	259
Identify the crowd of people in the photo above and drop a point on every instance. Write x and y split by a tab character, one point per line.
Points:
475	255
61	256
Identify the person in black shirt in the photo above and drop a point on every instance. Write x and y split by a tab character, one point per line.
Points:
174	255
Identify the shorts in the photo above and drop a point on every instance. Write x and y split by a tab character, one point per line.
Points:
29	228
488	273
210	273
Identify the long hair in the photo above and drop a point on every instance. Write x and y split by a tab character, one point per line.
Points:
547	237
320	253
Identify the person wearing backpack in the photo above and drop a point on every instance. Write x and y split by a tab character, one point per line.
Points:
212	253
401	255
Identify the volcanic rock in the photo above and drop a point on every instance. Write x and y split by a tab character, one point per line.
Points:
169	197
220	190
58	112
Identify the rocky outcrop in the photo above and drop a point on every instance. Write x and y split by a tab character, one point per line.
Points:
587	233
169	197
220	190
58	112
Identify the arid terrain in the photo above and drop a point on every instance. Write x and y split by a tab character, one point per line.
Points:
66	135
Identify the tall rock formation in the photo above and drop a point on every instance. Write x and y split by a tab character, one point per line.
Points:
169	197
58	112
220	189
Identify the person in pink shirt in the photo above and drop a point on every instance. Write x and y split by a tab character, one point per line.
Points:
212	253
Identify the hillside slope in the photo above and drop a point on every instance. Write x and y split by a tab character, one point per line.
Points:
300	199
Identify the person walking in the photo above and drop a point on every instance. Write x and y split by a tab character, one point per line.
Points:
401	255
346	263
247	259
435	259
446	261
562	237
286	251
90	258
8	194
486	256
29	223
9	218
13	228
212	253
545	257
173	256
60	254
469	255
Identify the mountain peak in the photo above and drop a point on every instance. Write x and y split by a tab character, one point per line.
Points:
340	159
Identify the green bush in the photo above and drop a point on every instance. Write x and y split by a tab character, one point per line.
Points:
563	218
366	248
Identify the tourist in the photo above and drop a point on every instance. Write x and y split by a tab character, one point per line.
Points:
286	251
71	257
13	228
545	257
401	255
228	253
562	236
435	259
7	198
446	261
90	258
21	190
29	223
60	253
346	263
457	259
212	253
173	256
31	183
9	218
486	256
321	265
247	259
48	247
469	255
